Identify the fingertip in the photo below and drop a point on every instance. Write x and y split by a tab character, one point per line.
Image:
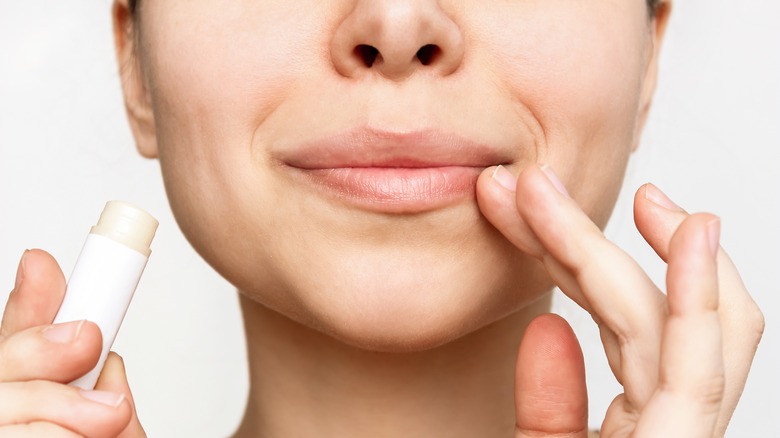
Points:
699	231
528	183
540	195
553	179
650	192
116	358
550	392
42	267
80	354
496	180
657	218
494	201
111	411
692	277
116	362
504	178
83	352
113	377
90	339
38	295
498	185
20	270
552	335
499	206
43	286
113	374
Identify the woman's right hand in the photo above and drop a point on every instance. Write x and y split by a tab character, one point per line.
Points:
682	357
38	359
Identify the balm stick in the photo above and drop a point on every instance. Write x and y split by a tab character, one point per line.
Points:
106	275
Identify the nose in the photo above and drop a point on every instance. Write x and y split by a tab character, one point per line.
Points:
395	38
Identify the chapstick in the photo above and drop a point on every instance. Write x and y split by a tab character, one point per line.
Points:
106	274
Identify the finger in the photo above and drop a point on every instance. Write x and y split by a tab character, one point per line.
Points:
587	267
550	393
620	419
496	199
691	385
609	278
36	429
114	378
496	196
622	297
657	218
37	295
59	353
88	413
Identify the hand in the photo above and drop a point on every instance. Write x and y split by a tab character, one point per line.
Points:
682	358
37	360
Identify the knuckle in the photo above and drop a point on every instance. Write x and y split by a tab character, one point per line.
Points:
639	334
707	393
710	393
758	324
752	322
16	353
742	317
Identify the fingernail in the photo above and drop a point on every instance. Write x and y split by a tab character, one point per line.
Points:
657	197
107	398
556	182
63	333
20	270
504	178
713	233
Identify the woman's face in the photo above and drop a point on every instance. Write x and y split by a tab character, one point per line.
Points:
325	165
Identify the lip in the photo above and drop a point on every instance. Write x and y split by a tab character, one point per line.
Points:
391	171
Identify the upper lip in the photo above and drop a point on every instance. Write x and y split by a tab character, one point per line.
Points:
368	147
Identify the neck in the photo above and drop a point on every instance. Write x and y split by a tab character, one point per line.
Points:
305	383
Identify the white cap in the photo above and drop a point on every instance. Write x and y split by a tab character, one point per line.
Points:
128	225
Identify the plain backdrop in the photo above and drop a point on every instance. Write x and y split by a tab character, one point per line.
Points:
713	143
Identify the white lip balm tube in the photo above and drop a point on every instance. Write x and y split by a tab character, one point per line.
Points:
106	275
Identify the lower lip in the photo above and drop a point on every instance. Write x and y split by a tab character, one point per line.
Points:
397	190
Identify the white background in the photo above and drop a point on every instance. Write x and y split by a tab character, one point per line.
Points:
713	143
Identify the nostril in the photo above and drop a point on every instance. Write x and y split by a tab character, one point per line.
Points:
366	53
428	53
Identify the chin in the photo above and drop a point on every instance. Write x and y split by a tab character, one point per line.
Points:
406	304
376	282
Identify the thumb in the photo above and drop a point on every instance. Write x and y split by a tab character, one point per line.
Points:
114	378
550	393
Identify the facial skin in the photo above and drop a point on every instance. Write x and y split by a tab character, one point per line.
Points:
221	92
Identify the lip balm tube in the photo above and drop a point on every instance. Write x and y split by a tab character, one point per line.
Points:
106	274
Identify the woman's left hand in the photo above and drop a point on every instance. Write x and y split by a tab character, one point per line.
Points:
682	358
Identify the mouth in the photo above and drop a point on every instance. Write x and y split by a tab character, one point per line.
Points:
392	172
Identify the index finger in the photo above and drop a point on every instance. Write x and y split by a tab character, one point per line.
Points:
592	270
37	295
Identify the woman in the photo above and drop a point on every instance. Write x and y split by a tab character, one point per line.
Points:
323	157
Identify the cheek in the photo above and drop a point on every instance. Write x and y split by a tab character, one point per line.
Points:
576	70
216	71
